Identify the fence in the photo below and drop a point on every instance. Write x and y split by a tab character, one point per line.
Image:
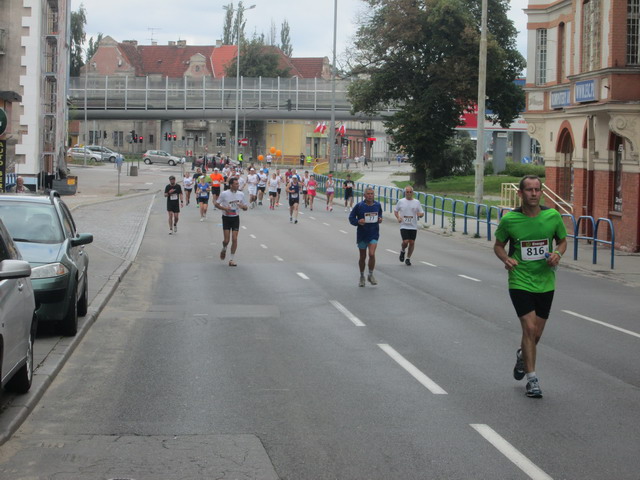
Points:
486	217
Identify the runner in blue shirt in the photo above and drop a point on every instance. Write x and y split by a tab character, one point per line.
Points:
367	216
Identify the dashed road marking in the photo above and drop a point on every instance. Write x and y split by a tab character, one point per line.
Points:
429	384
355	320
393	251
429	264
243	227
599	322
252	235
342	231
312	218
278	258
469	278
325	223
303	276
523	463
263	246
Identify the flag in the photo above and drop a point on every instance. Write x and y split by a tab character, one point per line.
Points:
318	128
323	129
342	130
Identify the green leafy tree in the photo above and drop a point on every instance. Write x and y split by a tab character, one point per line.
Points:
227	29
78	37
93	47
421	57
285	39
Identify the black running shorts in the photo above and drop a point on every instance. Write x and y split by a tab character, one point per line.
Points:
231	223
525	302
408	234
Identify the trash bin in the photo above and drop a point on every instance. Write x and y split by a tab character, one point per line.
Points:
133	171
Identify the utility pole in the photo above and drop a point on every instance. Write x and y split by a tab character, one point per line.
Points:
332	128
482	88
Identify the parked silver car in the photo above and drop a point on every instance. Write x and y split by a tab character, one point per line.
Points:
93	152
107	153
159	156
18	322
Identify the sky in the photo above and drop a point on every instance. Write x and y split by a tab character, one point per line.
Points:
200	22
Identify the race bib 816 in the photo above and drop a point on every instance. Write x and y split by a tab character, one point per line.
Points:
534	249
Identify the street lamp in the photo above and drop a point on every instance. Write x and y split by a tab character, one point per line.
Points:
239	15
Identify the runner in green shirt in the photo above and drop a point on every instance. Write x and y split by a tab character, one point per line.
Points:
531	232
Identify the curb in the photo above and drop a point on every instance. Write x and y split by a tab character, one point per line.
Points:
45	373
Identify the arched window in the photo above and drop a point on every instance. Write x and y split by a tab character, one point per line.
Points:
616	144
565	174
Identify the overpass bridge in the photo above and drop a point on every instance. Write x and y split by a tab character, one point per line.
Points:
164	98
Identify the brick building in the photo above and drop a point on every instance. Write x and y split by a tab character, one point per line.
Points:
583	107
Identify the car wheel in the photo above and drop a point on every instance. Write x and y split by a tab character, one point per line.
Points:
172	163
96	159
69	325
83	303
147	161
112	159
21	381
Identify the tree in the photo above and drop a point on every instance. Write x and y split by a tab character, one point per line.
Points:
93	47
257	60
285	39
78	37
227	29
421	57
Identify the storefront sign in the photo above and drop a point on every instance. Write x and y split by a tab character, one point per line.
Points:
560	98
3	163
585	91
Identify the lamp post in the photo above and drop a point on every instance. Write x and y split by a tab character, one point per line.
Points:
239	15
332	128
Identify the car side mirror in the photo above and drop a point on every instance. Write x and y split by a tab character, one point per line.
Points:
14	269
82	239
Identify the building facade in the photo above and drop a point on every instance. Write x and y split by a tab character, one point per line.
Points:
583	107
34	63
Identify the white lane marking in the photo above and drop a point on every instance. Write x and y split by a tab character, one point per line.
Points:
393	251
325	223
252	235
303	276
355	320
342	231
243	227
628	332
200	314
432	386
312	218
523	463
469	278
263	245
278	258
430	264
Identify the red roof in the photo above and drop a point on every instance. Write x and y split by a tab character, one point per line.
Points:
221	57
171	61
311	67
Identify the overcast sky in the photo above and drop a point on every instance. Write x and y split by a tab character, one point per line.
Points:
200	22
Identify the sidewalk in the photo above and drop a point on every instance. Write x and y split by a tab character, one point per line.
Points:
626	265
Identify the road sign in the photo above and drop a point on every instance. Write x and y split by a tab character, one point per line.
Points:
243	141
3	121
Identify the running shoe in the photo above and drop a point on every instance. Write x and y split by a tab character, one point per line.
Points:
202	219
533	388
170	232
372	279
296	221
223	253
518	370
290	219
402	255
407	262
175	229
362	281
331	209
346	209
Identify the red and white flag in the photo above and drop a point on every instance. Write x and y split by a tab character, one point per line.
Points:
323	129
318	128
342	130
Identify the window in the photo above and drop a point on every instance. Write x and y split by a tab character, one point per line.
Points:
118	139
541	56
561	53
590	35
221	139
633	32
617	175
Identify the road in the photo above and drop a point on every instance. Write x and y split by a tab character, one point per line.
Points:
283	368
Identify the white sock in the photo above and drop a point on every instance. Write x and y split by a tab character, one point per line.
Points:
531	376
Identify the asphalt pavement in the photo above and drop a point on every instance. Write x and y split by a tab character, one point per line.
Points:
115	207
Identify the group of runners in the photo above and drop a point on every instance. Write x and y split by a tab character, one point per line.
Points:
535	236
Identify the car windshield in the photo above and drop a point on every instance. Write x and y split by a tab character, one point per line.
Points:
31	222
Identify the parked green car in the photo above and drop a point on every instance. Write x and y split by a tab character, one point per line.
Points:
44	231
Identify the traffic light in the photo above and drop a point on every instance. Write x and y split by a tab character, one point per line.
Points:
134	138
140	138
289	104
166	136
175	137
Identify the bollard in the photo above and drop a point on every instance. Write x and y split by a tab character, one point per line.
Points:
133	171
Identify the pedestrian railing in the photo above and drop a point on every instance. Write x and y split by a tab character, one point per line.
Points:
486	217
